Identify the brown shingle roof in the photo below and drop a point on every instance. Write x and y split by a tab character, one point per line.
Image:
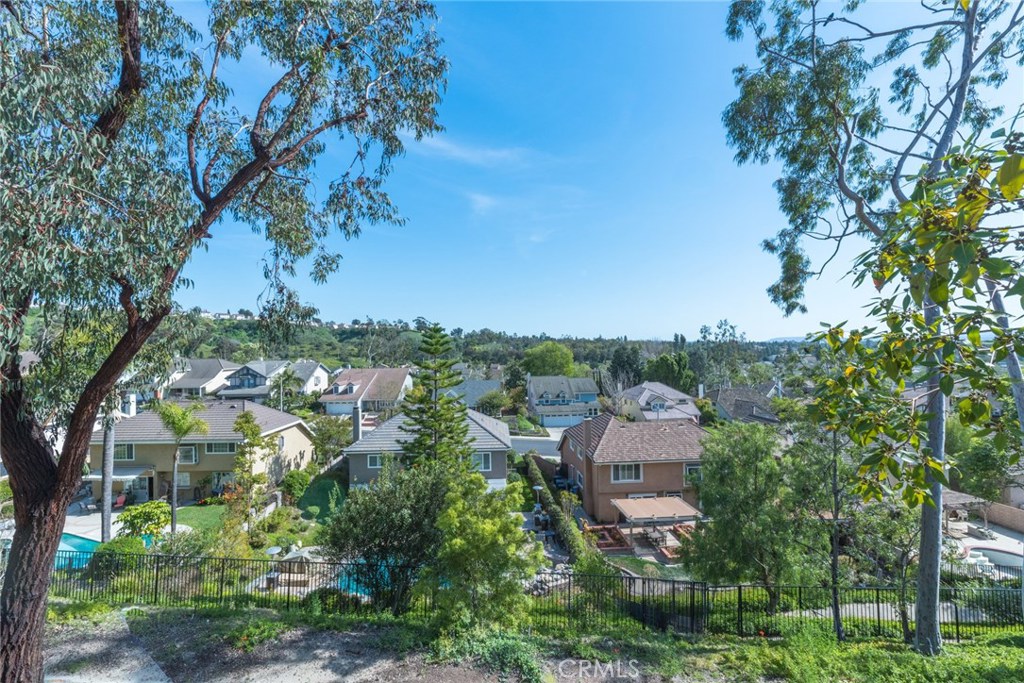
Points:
219	415
374	384
614	441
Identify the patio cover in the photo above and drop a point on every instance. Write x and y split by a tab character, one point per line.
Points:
958	500
122	473
655	510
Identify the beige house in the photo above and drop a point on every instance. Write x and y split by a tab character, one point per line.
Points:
144	452
609	460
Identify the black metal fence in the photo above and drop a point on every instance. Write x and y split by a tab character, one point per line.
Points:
877	612
971	603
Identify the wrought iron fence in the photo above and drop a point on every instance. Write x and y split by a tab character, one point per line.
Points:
558	602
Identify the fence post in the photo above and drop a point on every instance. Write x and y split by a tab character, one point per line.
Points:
800	597
956	614
673	615
739	611
878	613
156	582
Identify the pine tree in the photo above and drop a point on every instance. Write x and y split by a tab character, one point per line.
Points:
436	420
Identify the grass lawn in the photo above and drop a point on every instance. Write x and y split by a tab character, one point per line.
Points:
201	517
654	570
319	492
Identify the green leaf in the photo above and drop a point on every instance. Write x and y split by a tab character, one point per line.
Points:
946	384
974	336
1010	178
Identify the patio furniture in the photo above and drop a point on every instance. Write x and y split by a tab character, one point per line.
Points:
119	503
85	505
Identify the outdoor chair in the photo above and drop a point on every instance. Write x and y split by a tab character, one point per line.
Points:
119	503
88	503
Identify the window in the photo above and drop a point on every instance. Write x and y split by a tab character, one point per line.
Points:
187	455
692	475
673	494
280	444
124	451
220	448
184	480
624	473
658	406
374	462
222	478
482	462
579	479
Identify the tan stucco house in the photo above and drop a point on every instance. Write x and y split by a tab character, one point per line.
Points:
144	451
608	459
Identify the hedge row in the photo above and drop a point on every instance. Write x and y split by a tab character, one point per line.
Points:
564	525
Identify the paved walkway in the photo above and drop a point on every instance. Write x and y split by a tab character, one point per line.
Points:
105	652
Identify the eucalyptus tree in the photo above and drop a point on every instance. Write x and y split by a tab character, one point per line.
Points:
850	155
121	150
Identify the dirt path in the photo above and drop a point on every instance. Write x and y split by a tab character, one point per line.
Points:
98	652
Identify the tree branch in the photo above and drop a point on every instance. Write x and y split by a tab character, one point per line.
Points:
111	121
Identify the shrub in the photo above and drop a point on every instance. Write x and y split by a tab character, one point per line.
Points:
253	633
148	519
295	484
257	539
114	557
331	601
312	512
278	520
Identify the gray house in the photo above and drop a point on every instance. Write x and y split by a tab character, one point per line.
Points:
562	401
490	437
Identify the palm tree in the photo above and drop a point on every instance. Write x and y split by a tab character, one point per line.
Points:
283	388
181	422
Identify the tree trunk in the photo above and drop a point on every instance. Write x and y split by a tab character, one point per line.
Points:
107	501
174	493
908	634
26	581
837	509
928	638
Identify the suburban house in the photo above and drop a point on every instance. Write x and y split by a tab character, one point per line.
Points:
470	391
144	451
746	403
253	380
369	389
560	401
315	377
654	401
198	377
610	460
491	443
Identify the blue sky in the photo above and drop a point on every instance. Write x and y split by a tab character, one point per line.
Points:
583	186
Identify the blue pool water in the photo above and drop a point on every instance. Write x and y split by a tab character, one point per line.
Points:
80	543
72	553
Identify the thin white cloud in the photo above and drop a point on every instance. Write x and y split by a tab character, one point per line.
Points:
480	203
474	155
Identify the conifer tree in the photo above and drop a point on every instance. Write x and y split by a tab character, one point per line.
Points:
436	421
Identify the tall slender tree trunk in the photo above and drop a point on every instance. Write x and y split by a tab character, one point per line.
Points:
837	508
927	635
107	498
174	493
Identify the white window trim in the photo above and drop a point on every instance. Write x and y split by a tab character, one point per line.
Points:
183	476
195	456
482	455
369	461
231	451
619	480
129	450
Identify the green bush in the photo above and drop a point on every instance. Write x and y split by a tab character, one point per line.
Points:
331	601
295	484
312	512
115	557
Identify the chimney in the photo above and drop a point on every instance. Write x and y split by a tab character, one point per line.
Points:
131	405
357	423
700	390
586	436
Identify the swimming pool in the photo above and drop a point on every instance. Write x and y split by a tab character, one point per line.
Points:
74	552
77	543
